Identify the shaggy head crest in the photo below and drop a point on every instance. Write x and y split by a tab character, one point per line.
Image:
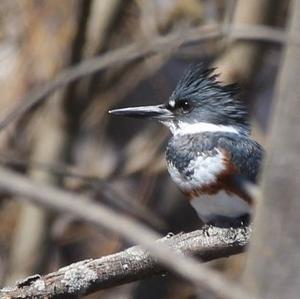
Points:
212	101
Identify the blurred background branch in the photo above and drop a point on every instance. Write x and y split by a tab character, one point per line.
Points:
63	64
135	51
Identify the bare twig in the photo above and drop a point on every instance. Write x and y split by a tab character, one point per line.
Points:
142	49
80	206
119	199
132	264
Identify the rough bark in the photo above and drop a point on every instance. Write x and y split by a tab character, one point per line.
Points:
132	264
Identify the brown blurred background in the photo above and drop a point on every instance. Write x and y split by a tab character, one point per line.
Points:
70	140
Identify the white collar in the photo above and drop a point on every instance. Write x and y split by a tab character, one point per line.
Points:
182	128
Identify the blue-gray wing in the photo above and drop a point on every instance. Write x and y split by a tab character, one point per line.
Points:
245	154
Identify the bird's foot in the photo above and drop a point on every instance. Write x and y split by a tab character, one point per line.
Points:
227	222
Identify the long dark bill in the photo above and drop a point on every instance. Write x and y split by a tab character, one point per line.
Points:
158	111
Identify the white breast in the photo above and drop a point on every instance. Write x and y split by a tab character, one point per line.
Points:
205	169
208	207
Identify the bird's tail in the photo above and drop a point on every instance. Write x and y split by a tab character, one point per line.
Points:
247	188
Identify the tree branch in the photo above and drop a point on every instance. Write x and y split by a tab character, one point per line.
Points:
80	206
129	265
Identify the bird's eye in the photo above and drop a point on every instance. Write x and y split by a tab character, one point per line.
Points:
185	106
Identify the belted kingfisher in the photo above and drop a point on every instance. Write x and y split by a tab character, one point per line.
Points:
211	152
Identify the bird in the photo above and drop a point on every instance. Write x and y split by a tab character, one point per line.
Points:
211	155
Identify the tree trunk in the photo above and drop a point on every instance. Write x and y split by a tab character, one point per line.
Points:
273	264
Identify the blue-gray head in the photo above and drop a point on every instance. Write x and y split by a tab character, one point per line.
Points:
198	103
